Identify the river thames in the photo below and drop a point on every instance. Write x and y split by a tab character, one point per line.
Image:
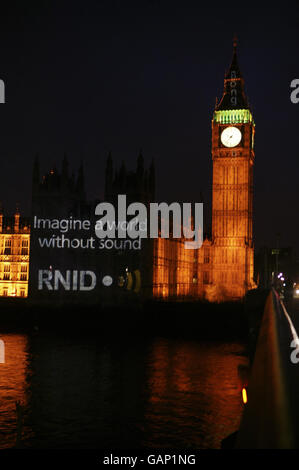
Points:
82	392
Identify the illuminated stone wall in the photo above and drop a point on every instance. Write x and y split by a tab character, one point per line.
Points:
232	213
175	270
14	256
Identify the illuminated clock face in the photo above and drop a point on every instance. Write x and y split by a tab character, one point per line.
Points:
231	136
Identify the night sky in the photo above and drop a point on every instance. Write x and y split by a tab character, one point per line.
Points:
91	77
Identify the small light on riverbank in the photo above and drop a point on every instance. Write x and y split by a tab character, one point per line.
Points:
244	395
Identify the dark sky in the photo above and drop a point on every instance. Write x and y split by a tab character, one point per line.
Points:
88	77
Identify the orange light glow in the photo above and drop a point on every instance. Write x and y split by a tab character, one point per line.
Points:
14	259
13	379
244	395
173	269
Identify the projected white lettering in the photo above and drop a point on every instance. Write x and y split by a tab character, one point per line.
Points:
71	280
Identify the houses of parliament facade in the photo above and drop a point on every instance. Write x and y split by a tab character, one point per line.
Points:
14	255
221	270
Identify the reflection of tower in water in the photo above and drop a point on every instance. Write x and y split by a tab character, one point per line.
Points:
195	389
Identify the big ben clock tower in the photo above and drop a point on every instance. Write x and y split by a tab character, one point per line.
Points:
233	158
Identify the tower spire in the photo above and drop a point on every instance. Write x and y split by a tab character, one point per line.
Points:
234	69
233	94
235	42
232	252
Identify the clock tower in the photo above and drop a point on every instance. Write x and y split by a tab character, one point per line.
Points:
233	158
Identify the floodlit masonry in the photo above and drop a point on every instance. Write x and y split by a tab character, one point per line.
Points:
14	255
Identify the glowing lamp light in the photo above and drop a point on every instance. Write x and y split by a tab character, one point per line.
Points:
297	291
244	396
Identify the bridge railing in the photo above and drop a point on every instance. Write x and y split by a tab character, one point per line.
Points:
271	417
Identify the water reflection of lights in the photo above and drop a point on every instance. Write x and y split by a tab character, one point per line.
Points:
13	386
195	388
